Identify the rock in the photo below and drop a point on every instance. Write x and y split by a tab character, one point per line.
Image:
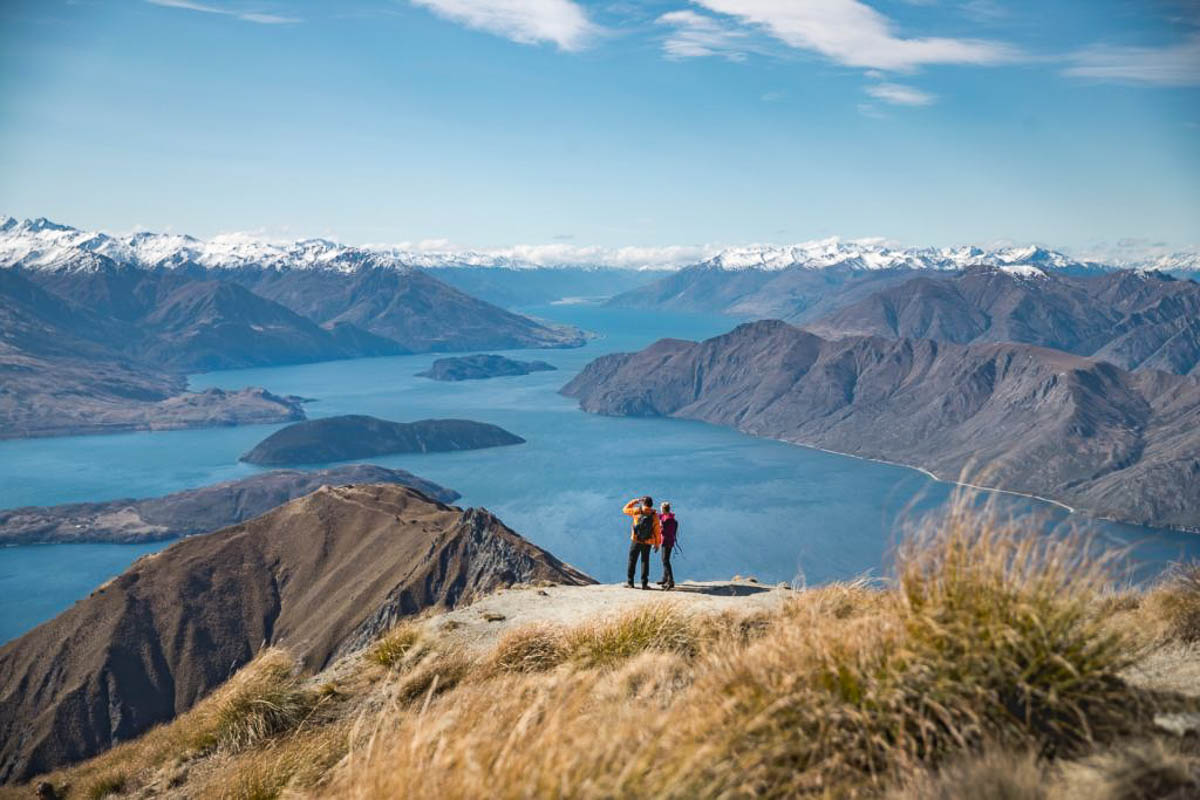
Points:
1186	723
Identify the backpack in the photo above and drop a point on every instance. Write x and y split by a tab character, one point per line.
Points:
643	529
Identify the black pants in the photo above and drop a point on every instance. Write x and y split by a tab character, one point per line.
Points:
637	549
668	573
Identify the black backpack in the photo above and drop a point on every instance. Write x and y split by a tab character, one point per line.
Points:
643	528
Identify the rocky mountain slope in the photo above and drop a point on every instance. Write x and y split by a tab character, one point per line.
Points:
320	575
352	436
1084	432
193	511
801	283
60	376
480	367
327	283
410	307
1134	319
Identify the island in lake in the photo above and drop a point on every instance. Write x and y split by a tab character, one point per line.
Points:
478	367
352	436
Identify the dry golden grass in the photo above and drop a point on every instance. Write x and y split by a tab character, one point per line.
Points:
988	635
264	699
254	705
391	649
1175	601
987	660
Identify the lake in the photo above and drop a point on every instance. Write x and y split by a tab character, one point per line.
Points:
746	506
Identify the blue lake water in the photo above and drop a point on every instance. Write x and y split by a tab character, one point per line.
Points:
746	505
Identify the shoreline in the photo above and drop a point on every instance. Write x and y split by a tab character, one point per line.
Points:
928	473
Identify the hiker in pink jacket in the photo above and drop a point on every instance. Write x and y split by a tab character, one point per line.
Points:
670	530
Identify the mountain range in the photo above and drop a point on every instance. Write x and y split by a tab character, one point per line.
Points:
1119	444
96	332
801	283
1136	320
321	575
61	376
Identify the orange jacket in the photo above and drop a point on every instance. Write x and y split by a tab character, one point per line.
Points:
635	509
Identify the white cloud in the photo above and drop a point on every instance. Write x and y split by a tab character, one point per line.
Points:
900	95
698	35
561	22
1174	65
260	18
852	33
870	110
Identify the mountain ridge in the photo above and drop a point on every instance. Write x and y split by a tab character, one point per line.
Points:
320	575
1032	420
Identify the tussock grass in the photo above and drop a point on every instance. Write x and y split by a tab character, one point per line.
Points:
986	637
984	662
437	673
994	775
289	765
660	627
391	649
1009	620
533	648
264	699
107	785
1176	602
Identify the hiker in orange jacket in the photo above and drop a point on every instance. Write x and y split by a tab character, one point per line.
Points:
645	533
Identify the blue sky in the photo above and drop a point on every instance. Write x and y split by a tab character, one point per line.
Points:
495	122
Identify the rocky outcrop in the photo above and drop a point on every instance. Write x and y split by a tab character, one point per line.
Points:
479	367
321	441
317	576
191	512
1083	432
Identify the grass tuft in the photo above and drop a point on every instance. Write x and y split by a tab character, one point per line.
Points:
1177	601
391	649
660	627
264	699
106	786
533	648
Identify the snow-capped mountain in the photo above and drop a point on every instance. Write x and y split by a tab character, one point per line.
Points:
873	254
43	244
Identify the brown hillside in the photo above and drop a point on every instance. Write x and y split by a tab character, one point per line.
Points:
320	575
